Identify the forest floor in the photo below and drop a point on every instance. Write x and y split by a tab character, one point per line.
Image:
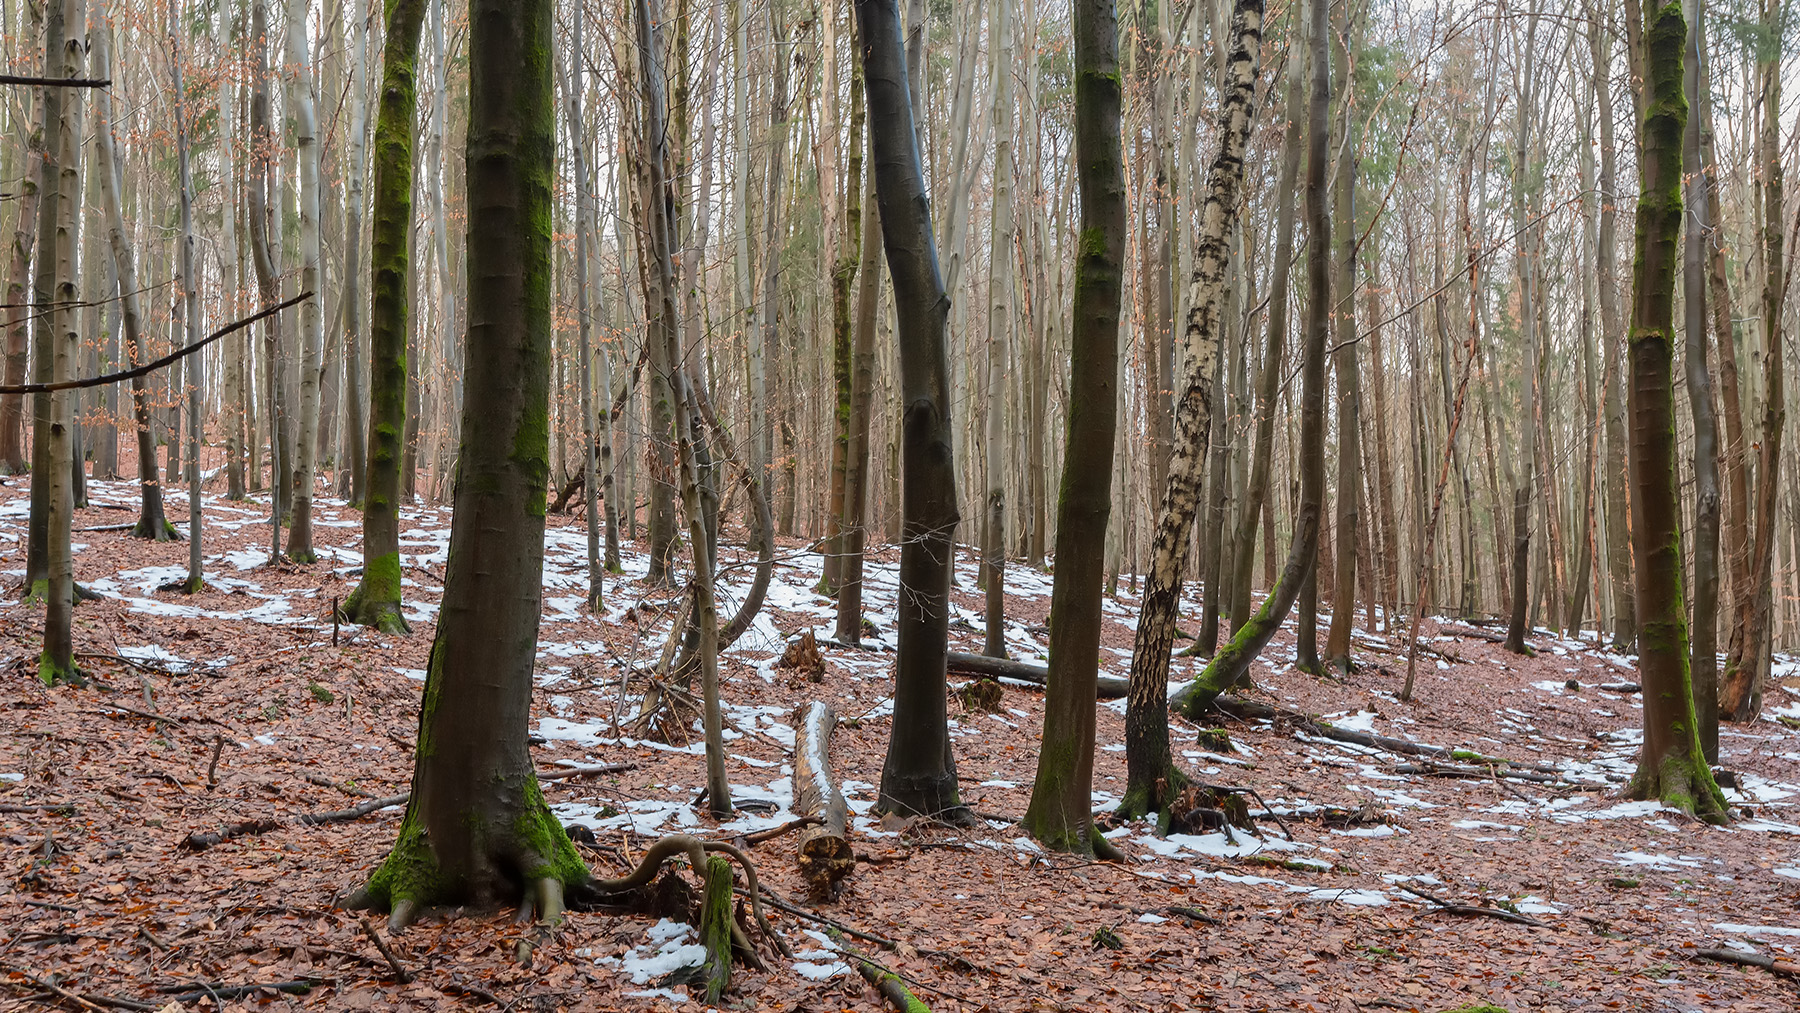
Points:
100	900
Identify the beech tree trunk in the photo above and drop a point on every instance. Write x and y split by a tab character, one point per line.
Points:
1671	766
306	150
1703	654
919	774
1349	523
999	329
476	828
1061	810
1618	495
190	293
376	600
28	138
1153	777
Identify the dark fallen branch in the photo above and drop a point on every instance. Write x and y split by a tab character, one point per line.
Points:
151	367
1743	959
400	972
57	82
60	808
201	841
1446	907
1107	688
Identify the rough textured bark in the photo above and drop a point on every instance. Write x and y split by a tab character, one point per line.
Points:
1228	666
1151	772
376	600
1670	766
477	829
919	774
1703	667
1061	810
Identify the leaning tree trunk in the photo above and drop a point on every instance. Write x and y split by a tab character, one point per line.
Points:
1061	810
1671	766
190	293
152	522
1703	653
1229	665
1275	359
1152	775
306	144
376	600
477	829
919	774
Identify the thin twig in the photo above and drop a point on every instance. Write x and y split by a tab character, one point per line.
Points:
400	970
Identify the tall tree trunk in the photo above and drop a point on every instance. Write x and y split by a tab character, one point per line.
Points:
356	437
1297	577
152	522
263	254
1349	383
477	829
1618	494
376	600
919	774
572	83
1152	774
844	331
233	395
1704	656
190	292
28	138
64	56
999	330
1670	765
1061	810
301	106
1748	656
1274	359
857	478
1528	377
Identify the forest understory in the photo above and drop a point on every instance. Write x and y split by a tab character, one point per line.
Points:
235	705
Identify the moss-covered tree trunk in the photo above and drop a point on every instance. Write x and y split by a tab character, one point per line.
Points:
477	829
919	775
1671	766
1061	810
1152	775
376	600
843	359
1233	660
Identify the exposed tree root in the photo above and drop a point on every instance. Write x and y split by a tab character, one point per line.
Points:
695	850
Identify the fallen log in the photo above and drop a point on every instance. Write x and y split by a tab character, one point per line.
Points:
824	853
1108	687
1739	957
